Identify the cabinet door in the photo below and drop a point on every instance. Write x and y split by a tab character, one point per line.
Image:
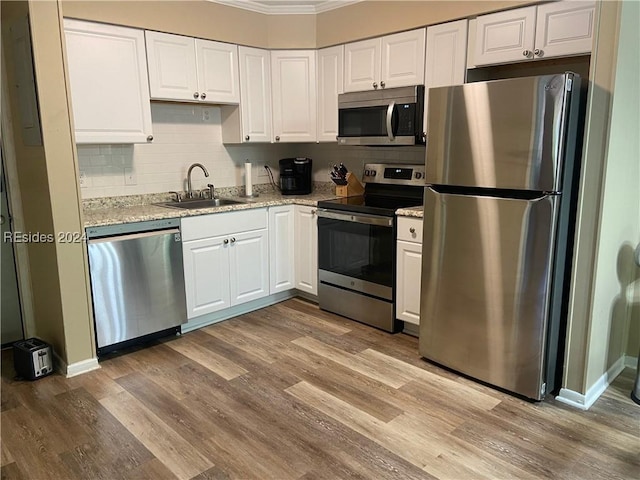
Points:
409	271
330	85
217	66
362	65
306	251
206	275
109	85
281	249
403	59
255	92
505	37
564	28
249	265
446	57
294	95
172	67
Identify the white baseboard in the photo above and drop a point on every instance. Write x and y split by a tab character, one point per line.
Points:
584	402
631	362
76	368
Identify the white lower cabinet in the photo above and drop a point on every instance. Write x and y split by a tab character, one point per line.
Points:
281	248
408	269
226	260
306	249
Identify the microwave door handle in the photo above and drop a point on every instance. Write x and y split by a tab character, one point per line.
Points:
390	109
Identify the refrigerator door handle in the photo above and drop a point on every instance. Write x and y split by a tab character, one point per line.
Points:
390	109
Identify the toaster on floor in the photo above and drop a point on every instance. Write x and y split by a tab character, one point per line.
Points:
32	358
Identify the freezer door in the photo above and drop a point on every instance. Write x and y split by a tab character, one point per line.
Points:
501	134
486	275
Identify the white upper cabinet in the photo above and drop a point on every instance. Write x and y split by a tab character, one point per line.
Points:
218	79
251	121
172	66
564	28
293	74
390	61
362	65
108	80
403	59
446	57
330	85
550	30
189	69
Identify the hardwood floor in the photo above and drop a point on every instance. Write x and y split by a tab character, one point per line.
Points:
294	392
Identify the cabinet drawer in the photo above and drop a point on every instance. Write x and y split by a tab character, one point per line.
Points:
217	224
410	229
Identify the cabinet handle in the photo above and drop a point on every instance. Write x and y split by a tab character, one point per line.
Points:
313	212
246	137
526	53
412	230
375	85
538	52
225	241
382	84
196	95
150	138
203	96
233	239
277	138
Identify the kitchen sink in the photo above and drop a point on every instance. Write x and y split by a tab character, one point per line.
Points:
200	203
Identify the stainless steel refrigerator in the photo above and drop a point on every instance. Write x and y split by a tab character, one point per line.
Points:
498	228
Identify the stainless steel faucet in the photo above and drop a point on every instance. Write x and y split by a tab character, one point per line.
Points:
206	174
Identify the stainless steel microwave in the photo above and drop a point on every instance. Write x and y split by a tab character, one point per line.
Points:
392	116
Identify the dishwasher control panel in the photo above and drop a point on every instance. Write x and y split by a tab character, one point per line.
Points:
135	227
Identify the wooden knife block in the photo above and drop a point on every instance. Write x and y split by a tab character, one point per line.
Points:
351	189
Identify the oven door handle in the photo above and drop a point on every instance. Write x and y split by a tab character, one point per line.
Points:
356	218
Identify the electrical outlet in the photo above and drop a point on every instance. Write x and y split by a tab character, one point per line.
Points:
262	172
205	115
130	177
84	180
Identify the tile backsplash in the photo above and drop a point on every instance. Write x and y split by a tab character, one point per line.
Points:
185	134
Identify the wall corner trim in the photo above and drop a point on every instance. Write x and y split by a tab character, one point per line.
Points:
584	402
76	368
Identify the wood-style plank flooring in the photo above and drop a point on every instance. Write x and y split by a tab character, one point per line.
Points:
292	392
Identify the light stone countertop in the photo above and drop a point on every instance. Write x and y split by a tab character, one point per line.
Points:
411	212
96	215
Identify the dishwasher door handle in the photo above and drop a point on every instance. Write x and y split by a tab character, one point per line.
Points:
134	236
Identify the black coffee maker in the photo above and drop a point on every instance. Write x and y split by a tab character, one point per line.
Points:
295	176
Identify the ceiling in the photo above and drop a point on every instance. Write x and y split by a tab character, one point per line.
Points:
283	7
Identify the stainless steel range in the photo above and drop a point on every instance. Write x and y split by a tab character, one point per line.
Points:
357	245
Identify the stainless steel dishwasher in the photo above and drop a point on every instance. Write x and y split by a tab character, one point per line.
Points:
137	282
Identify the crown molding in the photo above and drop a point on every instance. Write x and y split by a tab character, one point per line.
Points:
293	9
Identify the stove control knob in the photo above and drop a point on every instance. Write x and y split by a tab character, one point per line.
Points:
418	175
366	173
373	173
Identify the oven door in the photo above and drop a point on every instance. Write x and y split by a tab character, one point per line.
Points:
357	252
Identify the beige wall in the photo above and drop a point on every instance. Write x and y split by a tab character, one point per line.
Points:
219	22
372	18
620	227
581	321
202	19
50	195
36	206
